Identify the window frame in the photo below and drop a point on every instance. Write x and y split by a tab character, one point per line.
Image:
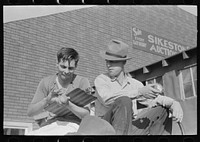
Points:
182	85
154	79
18	125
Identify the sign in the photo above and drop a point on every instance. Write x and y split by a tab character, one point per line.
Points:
155	44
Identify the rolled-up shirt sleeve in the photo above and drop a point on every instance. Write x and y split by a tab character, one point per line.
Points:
108	92
159	100
103	89
134	92
40	93
84	84
164	101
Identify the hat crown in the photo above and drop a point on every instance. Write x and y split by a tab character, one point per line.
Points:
115	51
118	48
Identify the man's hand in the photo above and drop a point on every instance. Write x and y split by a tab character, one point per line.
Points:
58	96
62	97
90	90
52	97
177	112
149	91
63	100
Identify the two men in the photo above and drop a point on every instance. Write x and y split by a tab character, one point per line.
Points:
54	89
118	93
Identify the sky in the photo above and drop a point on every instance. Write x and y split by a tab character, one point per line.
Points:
13	13
191	9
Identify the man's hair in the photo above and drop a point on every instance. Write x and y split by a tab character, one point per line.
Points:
67	54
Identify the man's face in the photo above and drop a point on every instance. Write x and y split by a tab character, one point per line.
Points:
114	67
66	69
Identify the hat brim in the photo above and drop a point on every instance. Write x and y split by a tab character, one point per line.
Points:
112	58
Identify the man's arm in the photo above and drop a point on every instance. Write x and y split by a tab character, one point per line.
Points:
39	100
81	112
77	110
148	91
103	89
105	93
173	105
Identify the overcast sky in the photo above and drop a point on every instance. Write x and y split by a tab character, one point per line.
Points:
13	13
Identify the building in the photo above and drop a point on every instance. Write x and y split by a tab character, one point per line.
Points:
153	33
178	76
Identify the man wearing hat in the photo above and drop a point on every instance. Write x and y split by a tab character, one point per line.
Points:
117	93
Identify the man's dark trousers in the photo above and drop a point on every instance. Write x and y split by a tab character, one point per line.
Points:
119	115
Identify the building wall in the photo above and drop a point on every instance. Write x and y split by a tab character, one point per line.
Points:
30	45
175	87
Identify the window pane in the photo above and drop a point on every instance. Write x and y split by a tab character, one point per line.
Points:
7	131
21	131
195	86
150	81
194	72
188	90
186	76
159	80
12	131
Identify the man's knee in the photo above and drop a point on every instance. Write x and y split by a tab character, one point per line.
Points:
124	100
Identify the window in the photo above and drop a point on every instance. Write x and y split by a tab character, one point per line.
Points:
155	80
188	82
13	131
16	128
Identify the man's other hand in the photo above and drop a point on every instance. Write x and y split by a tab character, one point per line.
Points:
177	112
149	91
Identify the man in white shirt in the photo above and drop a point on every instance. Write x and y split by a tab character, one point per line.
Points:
117	92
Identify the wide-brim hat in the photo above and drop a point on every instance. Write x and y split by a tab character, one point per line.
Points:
93	125
116	51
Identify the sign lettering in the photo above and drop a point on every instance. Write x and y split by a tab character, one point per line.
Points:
155	44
